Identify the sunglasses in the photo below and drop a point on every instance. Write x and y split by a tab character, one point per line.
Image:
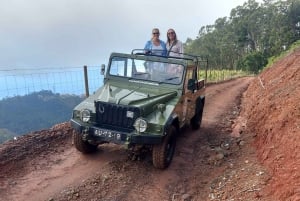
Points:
155	33
171	32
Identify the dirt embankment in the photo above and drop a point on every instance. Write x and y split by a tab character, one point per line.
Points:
246	149
272	109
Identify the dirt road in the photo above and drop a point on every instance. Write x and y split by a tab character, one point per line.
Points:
47	167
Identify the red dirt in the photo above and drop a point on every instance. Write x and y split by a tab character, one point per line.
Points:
272	110
246	149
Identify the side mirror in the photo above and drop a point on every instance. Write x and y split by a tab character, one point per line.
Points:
191	85
102	69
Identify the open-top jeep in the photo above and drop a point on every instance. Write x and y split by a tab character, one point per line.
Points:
144	103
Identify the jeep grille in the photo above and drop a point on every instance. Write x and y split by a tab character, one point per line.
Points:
116	115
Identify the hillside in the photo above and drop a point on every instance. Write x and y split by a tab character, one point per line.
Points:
36	111
272	112
246	149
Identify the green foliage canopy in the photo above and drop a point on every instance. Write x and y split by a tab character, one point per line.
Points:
253	33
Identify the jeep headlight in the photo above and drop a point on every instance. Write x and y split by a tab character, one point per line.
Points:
85	115
140	125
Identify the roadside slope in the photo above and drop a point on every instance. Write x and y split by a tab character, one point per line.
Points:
272	110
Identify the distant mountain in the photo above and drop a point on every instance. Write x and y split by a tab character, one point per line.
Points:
6	135
40	110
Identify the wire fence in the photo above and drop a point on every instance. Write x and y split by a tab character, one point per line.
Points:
69	80
215	76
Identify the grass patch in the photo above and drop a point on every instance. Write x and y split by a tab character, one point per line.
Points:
221	75
292	48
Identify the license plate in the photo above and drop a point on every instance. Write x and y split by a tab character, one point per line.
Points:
107	134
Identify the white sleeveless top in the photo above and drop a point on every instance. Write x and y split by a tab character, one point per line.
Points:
157	50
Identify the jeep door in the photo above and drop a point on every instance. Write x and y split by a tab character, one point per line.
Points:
189	97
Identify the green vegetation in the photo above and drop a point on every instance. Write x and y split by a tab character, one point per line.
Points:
273	59
36	111
253	33
221	75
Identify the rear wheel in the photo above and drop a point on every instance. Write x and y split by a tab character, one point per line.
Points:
81	145
197	119
162	154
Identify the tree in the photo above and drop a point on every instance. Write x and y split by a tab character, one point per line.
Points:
253	62
253	31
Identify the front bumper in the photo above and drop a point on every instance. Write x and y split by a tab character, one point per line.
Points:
112	135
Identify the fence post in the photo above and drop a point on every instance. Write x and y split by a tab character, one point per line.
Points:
86	81
206	69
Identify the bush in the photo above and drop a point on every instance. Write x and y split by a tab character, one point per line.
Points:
253	62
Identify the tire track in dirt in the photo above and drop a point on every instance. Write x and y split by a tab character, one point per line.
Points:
47	174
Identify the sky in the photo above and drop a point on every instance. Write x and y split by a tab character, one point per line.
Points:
72	33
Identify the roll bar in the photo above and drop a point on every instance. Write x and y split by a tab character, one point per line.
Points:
184	56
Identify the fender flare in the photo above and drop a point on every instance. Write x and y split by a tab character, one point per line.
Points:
172	120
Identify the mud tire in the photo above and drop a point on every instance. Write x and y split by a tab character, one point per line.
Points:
162	154
197	119
83	146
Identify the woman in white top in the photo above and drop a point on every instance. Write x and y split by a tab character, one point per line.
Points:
155	46
175	49
174	46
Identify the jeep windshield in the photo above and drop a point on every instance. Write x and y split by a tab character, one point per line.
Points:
150	71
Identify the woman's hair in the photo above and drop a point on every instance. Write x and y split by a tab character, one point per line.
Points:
155	30
175	38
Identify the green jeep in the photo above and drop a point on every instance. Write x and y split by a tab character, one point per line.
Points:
144	103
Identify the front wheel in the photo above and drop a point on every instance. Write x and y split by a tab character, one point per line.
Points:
81	145
162	154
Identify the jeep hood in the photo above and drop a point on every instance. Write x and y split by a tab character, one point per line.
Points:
140	97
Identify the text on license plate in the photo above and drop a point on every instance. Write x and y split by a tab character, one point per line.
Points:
108	134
